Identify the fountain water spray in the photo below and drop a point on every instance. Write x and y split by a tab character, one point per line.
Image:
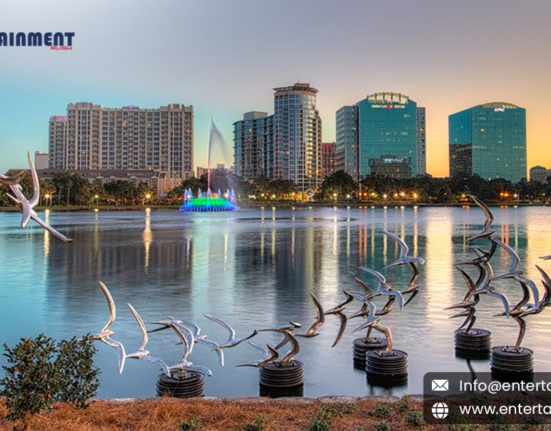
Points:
208	201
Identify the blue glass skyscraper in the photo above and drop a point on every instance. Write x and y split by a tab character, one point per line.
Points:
384	134
489	140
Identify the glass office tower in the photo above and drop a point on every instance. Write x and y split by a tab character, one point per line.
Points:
488	140
388	136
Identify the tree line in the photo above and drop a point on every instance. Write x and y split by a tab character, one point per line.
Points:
66	189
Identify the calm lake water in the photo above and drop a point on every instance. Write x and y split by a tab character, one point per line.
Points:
254	269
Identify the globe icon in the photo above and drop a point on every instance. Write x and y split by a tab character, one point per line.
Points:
440	410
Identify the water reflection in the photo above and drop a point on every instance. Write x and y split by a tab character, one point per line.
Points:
254	268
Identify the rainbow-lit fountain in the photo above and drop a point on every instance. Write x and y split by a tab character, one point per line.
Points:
208	201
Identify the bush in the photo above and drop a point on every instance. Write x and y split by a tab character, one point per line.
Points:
39	372
28	386
257	425
193	424
415	418
381	411
76	374
382	426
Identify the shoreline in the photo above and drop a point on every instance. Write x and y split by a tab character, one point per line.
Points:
300	205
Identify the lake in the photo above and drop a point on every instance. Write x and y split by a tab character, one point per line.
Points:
254	269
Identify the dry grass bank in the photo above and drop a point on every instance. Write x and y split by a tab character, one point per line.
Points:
250	414
220	414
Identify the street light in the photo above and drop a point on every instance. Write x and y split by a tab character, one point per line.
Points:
96	197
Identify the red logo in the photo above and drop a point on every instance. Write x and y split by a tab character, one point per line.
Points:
388	106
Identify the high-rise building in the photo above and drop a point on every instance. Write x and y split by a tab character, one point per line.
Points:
328	158
421	142
297	136
347	141
383	134
41	160
539	173
253	145
91	137
390	127
488	140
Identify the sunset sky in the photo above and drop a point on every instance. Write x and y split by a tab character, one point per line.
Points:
225	57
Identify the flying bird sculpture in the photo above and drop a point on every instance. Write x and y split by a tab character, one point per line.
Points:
105	334
141	353
26	206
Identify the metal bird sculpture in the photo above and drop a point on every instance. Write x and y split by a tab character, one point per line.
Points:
372	322
26	206
141	353
105	334
522	309
486	231
404	259
11	180
183	366
338	311
232	341
268	356
286	330
488	289
384	288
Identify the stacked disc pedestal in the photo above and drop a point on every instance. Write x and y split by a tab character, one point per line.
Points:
387	368
506	361
282	380
192	385
362	347
473	344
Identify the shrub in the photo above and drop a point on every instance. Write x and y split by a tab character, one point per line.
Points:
38	373
404	404
382	426
193	424
415	418
76	374
319	424
257	425
28	386
381	411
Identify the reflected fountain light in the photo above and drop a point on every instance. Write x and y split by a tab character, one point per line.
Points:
147	236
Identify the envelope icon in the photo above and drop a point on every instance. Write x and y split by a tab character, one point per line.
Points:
440	385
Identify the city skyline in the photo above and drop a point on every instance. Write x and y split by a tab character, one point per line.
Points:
223	59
